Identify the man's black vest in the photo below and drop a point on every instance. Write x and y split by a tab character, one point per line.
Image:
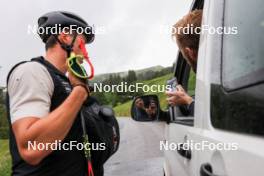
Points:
59	162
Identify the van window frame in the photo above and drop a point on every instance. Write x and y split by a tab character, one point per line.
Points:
182	73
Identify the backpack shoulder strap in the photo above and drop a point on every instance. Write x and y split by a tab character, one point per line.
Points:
12	69
20	63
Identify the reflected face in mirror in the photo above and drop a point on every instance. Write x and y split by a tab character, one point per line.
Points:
139	103
145	108
152	109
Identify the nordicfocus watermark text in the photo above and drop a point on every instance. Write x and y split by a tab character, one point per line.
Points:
59	145
191	29
126	87
71	29
203	145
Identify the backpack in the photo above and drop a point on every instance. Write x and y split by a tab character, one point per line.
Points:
102	128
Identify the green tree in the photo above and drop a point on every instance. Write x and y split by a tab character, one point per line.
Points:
131	77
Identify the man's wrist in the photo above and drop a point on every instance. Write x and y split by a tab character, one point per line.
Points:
82	90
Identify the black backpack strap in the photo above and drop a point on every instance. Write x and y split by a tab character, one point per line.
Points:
12	69
20	63
49	66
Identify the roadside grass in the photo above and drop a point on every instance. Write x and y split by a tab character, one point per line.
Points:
5	159
123	110
161	95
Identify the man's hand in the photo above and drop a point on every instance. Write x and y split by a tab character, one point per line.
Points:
74	80
78	82
178	97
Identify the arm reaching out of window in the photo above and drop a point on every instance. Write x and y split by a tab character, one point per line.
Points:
178	97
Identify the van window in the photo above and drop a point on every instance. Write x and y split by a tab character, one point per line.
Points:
243	53
237	101
191	83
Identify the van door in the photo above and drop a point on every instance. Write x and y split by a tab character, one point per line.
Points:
233	117
179	131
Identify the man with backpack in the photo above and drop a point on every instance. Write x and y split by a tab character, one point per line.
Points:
44	105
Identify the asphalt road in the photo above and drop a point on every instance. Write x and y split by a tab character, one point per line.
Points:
138	153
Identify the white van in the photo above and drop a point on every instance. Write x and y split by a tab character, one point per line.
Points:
229	96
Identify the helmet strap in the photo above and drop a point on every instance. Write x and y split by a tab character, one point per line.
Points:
67	48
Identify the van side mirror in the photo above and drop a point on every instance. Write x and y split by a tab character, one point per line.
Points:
145	108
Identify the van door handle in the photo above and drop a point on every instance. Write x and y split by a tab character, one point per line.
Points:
207	170
183	152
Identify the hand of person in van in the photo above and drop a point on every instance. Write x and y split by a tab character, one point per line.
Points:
178	97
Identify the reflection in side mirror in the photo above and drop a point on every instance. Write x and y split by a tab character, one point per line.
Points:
145	108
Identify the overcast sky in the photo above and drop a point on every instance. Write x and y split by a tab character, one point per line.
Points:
133	36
